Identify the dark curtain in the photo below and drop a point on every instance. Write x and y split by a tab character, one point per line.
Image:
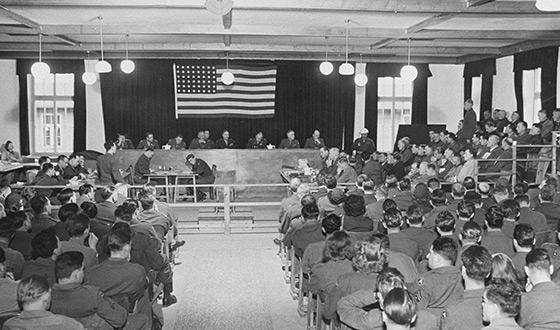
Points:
305	100
419	93
545	58
57	66
487	69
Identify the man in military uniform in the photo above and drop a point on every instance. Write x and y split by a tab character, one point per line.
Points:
200	142
149	141
225	142
465	314
177	142
257	142
442	285
315	141
290	142
363	143
86	303
123	143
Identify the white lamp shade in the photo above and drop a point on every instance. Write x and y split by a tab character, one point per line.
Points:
228	78
346	69
40	70
103	67
409	72
89	78
360	80
326	68
127	66
548	5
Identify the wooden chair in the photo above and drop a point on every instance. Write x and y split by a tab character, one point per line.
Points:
225	177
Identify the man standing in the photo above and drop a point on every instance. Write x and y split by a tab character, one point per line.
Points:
142	166
149	141
290	142
177	143
107	166
546	133
225	142
203	172
315	141
469	122
363	143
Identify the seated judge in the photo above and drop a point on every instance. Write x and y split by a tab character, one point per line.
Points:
225	142
200	142
177	142
9	155
209	141
257	142
142	166
315	141
123	143
290	142
149	141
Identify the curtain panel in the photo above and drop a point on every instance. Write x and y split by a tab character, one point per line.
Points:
487	69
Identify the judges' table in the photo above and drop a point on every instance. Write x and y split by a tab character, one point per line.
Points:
250	166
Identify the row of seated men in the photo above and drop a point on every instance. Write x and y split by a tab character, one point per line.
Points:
447	251
102	264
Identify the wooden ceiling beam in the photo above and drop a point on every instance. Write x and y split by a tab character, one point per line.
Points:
511	50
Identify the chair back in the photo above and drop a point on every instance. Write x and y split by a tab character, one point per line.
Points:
225	177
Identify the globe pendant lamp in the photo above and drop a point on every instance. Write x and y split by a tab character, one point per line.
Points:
409	72
102	66
127	66
40	69
227	77
326	67
548	5
360	79
346	69
89	78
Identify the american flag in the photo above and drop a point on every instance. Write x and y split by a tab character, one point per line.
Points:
199	91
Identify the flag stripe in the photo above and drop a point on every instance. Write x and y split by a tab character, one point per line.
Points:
199	91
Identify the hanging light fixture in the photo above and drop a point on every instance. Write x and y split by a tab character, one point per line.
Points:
409	72
102	66
548	5
40	69
127	66
360	79
326	67
89	78
346	69
227	77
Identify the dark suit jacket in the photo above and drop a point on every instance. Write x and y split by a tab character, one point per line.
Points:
469	125
311	143
108	171
551	211
142	166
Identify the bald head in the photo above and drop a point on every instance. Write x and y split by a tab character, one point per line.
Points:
294	184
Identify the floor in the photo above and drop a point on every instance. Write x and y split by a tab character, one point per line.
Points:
231	282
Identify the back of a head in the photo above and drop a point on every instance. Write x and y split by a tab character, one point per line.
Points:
354	206
294	184
524	235
31	289
388	204
400	307
445	221
473	196
371	256
330	181
122	213
446	247
388	279
483	188
500	191
118	239
66	263
310	212
458	190
146	200
502	267
85	189
107	192
18	218
477	262
438	197
465	209
404	184
434	184
77	225
510	209
520	188
65	195
538	259
7	229
67	210
44	244
415	214
303	189
547	193
469	183
89	209
308	200
338	247
38	203
108	145
331	223
494	217
471	232
523	199
506	294
391	181
392	218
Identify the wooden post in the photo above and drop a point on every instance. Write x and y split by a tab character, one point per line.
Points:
554	152
514	164
227	214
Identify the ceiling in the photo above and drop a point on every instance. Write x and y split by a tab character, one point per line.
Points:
440	31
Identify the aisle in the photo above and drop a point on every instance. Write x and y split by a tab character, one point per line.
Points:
231	282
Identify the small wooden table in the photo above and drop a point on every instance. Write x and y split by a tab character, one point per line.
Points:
167	176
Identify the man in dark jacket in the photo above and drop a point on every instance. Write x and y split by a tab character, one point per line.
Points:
203	172
142	166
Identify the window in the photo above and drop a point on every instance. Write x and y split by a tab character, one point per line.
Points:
52	114
394	108
531	95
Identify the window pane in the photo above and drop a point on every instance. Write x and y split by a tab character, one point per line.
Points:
65	84
385	86
49	85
